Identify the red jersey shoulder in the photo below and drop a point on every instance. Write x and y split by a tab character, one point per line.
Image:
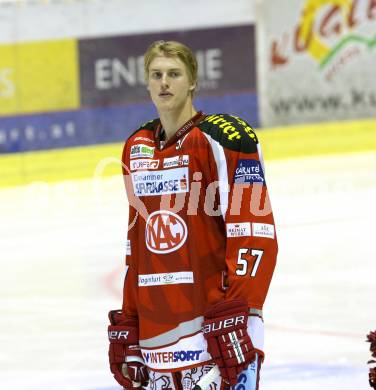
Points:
231	132
144	132
142	136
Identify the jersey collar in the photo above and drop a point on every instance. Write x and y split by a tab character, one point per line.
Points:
160	135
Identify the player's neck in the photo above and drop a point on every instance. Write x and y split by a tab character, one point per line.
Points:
172	121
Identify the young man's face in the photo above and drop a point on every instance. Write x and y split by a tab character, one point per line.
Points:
168	84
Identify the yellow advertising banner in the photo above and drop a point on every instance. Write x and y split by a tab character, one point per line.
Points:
39	77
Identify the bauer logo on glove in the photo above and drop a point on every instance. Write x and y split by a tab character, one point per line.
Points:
227	323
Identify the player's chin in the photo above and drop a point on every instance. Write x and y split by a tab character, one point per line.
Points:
166	106
160	101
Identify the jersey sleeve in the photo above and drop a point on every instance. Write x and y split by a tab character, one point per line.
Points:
251	241
137	210
129	305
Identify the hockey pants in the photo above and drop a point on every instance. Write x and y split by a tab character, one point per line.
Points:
186	379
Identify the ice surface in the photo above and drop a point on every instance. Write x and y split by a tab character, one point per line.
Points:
62	247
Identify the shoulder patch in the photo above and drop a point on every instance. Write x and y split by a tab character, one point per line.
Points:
231	132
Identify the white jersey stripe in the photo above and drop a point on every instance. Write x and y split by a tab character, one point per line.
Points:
220	160
184	329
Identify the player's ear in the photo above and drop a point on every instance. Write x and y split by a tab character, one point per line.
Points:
193	86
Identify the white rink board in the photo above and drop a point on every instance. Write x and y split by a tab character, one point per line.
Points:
328	74
62	248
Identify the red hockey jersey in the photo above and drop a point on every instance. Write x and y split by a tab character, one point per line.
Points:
200	230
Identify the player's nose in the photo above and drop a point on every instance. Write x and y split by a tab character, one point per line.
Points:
164	80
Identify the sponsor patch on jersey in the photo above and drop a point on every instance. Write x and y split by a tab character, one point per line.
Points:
177	161
184	356
232	126
166	278
184	352
171	181
128	248
145	139
263	230
144	164
249	171
141	150
242	229
165	232
230	130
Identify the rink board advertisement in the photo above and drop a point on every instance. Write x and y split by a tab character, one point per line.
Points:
38	76
316	60
112	68
68	128
93	91
99	125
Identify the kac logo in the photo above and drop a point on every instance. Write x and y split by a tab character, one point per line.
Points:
165	232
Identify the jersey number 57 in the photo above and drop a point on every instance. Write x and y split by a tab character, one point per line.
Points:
243	263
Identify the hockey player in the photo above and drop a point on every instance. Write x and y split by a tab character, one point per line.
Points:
201	246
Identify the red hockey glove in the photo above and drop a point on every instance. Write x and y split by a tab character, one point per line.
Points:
126	362
225	330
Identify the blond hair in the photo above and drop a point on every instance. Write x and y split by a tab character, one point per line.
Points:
172	49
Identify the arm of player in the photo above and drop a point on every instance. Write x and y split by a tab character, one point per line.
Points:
137	210
130	287
252	248
125	357
233	327
251	241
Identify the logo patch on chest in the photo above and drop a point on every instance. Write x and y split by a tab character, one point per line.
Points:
141	150
144	164
177	161
154	183
165	232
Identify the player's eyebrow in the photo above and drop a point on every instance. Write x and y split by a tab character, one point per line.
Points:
157	69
